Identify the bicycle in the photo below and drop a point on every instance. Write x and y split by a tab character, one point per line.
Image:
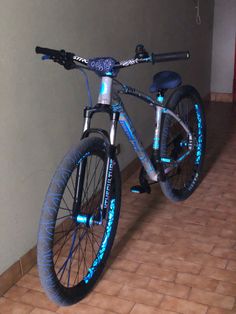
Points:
81	209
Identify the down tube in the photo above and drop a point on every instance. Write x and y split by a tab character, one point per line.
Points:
131	133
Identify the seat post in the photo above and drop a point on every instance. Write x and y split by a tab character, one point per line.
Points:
160	95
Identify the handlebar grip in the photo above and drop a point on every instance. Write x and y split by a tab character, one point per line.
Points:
47	51
171	56
60	56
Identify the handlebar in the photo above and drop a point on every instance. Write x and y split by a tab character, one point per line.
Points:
68	59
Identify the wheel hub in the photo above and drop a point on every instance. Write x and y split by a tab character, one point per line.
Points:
88	220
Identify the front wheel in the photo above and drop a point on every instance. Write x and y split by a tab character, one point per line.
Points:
184	178
75	237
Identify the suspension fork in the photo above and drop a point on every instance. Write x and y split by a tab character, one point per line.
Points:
111	150
109	163
80	171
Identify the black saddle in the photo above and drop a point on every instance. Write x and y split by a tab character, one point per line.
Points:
165	80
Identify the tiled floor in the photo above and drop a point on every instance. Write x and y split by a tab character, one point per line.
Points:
168	258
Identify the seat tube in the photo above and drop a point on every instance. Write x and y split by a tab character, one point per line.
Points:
156	139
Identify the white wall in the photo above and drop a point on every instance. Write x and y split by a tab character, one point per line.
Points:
41	104
223	51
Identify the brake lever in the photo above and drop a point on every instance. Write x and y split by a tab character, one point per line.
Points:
45	57
64	59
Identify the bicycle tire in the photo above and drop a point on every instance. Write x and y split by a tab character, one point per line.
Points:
58	233
182	181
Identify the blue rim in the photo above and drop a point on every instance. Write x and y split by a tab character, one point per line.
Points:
199	135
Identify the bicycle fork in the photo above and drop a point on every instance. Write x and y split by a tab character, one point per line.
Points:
110	162
110	147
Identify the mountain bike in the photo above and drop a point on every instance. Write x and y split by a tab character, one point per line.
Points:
81	209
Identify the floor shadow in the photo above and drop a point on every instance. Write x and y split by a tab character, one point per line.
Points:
151	206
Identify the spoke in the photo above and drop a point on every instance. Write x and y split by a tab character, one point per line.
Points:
70	257
83	256
88	185
96	235
85	264
73	184
60	249
63	208
63	217
70	192
91	241
65	202
65	263
67	231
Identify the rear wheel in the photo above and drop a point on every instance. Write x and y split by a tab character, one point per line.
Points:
183	179
75	237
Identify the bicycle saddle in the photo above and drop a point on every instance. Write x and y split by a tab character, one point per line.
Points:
165	80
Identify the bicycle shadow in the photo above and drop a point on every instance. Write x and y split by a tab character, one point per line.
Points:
134	228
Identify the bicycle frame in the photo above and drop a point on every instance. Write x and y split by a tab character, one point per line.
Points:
110	102
133	137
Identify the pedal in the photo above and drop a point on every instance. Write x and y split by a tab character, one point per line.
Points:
140	189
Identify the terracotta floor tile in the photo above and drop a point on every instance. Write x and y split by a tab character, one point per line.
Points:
183	306
207	259
224	252
41	311
169	288
145	309
34	271
38	299
231	265
194	246
134	279
108	287
212	298
140	295
182	266
30	282
111	303
140	245
15	293
229	233
214	310
124	264
197	281
226	288
82	309
219	274
8	306
156	271
136	255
